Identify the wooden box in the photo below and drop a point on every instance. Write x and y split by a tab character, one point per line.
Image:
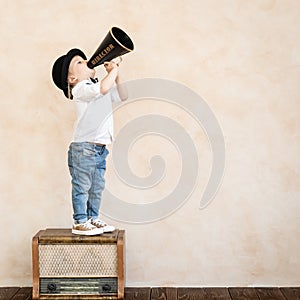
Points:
68	266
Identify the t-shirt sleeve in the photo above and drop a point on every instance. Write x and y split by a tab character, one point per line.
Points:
86	91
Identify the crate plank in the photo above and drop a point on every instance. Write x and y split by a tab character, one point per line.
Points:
190	294
6	293
216	294
147	293
243	294
62	235
269	294
23	293
291	293
137	293
164	293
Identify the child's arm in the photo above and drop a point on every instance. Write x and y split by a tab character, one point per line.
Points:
112	77
122	90
108	81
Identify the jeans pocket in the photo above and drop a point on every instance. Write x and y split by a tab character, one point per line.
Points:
88	152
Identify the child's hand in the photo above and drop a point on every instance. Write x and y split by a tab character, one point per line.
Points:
112	77
110	65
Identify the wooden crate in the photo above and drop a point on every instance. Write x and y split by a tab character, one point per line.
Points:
68	266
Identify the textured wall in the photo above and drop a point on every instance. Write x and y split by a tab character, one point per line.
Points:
241	56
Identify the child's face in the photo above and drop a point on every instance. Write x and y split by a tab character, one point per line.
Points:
78	70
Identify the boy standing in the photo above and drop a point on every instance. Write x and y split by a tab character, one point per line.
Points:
93	131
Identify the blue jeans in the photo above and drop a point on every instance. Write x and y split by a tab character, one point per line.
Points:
87	165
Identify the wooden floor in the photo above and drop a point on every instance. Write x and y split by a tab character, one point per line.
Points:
15	293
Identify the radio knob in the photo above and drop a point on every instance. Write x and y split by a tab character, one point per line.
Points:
106	287
51	287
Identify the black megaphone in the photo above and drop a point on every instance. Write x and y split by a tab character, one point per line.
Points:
116	43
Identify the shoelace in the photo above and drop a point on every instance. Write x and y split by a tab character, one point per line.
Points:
99	223
88	225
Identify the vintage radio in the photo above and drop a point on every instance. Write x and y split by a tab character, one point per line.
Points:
68	266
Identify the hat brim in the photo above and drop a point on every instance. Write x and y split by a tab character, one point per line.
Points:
65	68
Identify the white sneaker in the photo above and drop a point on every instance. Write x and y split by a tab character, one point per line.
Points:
102	225
86	229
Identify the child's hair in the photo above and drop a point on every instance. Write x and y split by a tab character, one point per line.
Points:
70	87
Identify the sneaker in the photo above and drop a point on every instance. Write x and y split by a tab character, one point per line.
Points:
102	225
86	229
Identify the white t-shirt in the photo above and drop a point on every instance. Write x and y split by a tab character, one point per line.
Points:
94	113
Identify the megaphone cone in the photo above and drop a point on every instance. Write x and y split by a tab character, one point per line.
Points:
116	43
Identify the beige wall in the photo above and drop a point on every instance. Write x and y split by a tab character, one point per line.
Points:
241	56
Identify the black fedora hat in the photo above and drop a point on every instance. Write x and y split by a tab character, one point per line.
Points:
60	69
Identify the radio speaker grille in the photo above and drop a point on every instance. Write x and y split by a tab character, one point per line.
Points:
81	260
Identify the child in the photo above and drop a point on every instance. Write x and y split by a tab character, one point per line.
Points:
93	131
